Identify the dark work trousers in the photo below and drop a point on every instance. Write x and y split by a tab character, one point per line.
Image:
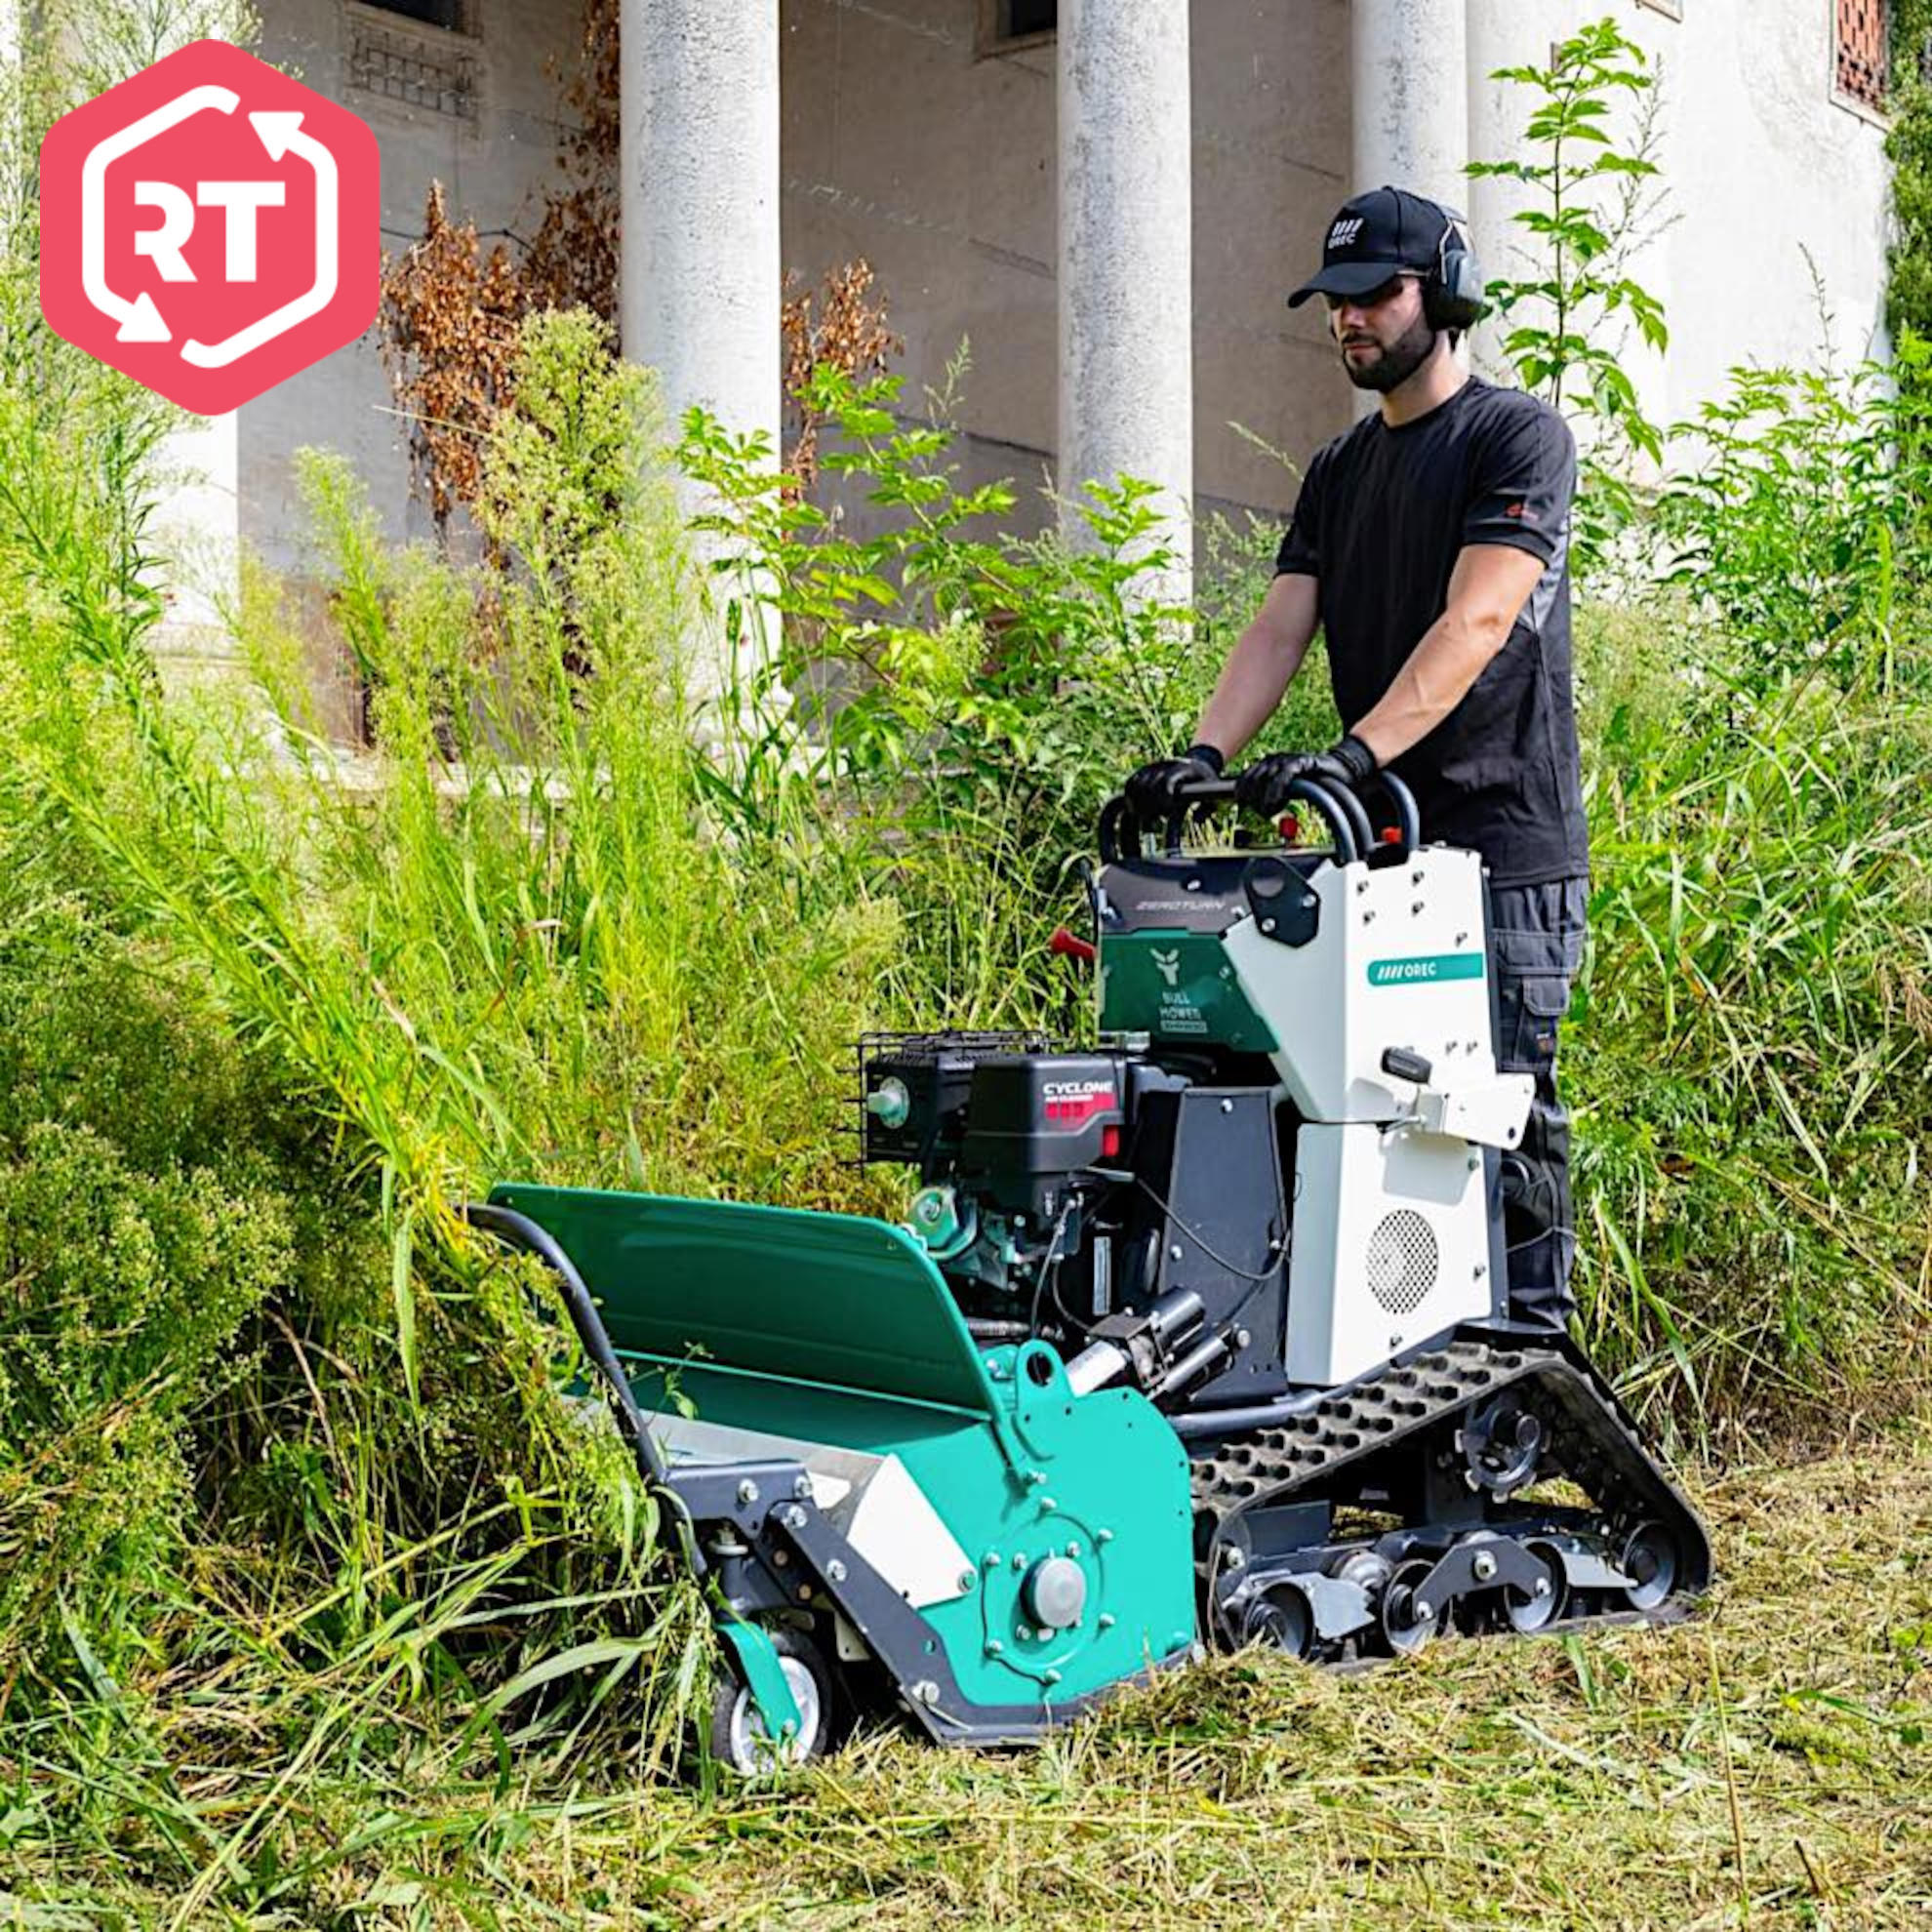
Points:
1537	945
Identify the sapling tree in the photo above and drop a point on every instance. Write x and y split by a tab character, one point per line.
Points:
1591	201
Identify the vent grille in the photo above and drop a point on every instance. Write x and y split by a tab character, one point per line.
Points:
1402	1261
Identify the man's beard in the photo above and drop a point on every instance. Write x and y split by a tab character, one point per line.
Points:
1396	363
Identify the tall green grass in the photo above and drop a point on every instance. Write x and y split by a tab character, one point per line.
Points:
1750	1043
530	930
582	908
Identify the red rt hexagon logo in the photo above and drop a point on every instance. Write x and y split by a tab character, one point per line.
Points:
210	226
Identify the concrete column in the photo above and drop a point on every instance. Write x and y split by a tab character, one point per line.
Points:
1410	70
700	278
1126	256
700	274
1501	33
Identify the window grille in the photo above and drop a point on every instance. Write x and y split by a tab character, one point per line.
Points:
1863	53
419	73
430	13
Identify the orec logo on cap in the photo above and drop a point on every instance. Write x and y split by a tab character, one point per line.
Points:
1344	231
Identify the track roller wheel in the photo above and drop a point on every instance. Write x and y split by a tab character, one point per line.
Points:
1405	1630
1283	1616
1650	1560
1531	1610
739	1737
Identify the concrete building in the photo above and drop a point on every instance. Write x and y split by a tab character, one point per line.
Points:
1107	198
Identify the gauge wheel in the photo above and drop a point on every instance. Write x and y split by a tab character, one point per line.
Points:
739	1737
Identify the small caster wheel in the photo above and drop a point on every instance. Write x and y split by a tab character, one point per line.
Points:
739	1737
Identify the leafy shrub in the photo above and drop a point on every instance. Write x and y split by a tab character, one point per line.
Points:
968	700
1591	199
143	1220
1801	501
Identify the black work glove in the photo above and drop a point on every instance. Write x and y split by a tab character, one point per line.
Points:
1351	762
1154	792
1264	787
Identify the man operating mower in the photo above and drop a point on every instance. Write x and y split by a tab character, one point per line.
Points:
1429	545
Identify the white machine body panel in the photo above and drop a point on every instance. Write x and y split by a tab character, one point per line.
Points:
1400	959
1391	1245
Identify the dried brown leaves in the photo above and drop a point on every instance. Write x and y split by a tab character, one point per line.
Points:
450	312
850	334
449	322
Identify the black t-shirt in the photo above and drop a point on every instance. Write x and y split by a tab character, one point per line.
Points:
1383	515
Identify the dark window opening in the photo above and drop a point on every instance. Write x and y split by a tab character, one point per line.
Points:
1009	23
431	12
1863	49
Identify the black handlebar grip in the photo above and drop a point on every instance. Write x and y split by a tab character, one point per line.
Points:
1405	1064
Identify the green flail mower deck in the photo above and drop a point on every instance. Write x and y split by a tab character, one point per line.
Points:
867	1490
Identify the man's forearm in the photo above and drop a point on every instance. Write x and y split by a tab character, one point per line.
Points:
1436	678
1486	591
1258	671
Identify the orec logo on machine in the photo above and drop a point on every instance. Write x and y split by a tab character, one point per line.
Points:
1426	967
209	228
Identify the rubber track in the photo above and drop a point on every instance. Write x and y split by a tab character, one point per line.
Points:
1596	1446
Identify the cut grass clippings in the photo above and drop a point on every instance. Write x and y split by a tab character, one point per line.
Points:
1607	1782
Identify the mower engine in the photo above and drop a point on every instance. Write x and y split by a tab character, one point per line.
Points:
1099	1200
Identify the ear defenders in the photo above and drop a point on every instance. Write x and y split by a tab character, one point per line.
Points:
1454	293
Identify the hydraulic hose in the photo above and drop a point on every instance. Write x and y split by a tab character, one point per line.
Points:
518	1231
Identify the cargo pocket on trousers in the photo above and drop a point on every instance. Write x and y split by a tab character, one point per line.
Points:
1545	997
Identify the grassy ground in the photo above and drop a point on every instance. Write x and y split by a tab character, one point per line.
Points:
1767	1765
1567	1784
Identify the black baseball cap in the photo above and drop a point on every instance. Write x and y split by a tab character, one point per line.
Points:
1385	232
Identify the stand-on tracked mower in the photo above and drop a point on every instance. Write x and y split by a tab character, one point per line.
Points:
1200	1335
